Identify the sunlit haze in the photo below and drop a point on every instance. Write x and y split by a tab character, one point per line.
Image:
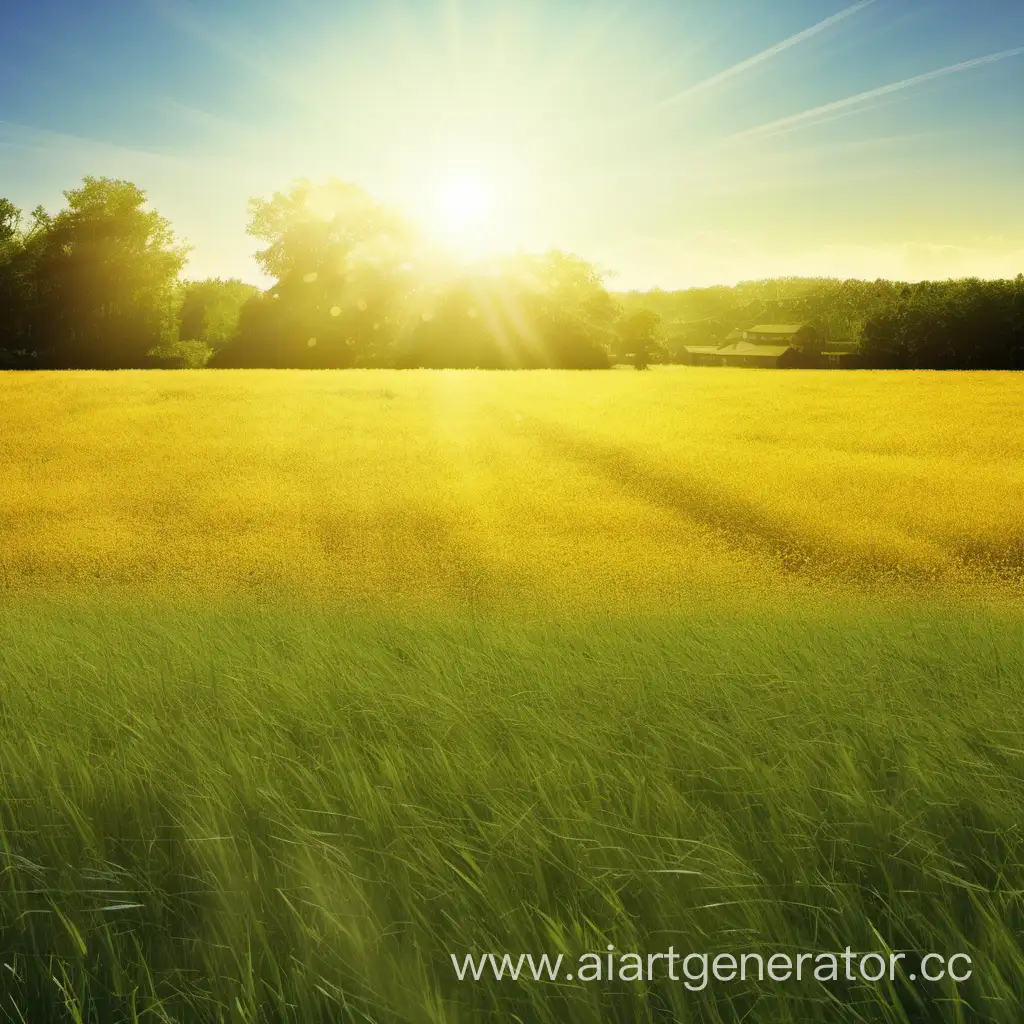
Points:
671	143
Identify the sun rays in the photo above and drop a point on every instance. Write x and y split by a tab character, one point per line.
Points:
547	125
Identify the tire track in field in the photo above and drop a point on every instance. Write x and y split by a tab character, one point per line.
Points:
743	524
442	551
1002	559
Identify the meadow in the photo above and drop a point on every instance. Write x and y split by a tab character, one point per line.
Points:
311	680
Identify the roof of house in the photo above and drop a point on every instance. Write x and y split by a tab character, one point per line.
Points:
748	348
776	329
702	350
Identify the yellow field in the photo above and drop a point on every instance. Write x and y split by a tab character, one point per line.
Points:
568	488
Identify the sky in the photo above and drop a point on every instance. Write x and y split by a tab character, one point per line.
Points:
674	143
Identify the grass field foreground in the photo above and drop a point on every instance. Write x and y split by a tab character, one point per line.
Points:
298	816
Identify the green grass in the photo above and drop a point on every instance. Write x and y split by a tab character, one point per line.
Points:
303	811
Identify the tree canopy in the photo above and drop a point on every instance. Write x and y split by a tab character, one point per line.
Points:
99	278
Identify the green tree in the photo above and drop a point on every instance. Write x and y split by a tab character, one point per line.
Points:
11	298
208	316
568	313
339	259
102	275
10	222
521	312
20	248
638	337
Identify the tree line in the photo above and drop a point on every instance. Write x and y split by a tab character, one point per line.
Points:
966	324
98	285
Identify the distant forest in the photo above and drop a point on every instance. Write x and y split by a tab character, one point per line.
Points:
98	285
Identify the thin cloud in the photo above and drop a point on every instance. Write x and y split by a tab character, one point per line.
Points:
760	58
97	156
815	115
25	136
227	131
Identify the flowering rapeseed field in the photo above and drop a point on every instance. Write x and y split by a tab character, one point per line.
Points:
532	489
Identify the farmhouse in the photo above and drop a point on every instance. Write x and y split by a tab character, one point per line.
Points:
774	346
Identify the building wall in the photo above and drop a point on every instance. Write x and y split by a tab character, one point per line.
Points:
840	361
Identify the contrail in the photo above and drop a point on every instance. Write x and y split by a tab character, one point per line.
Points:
764	55
811	116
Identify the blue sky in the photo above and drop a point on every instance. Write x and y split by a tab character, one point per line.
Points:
672	142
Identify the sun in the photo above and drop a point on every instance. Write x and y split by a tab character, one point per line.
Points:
465	215
464	202
470	211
